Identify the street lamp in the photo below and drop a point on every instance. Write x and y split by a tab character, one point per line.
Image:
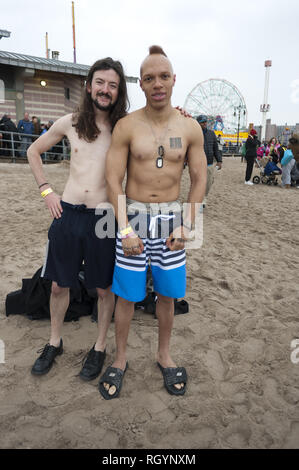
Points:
238	109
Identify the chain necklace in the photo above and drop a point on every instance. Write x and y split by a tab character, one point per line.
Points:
161	150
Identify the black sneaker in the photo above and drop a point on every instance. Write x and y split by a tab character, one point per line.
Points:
93	364
45	361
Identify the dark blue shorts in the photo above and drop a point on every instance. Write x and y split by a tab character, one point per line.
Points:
73	240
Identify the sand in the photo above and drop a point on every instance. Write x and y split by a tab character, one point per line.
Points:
235	342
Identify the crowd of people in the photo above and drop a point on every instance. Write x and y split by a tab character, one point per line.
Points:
283	159
16	139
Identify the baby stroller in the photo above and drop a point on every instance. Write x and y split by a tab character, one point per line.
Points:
269	172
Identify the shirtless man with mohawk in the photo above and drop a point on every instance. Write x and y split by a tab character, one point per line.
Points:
151	144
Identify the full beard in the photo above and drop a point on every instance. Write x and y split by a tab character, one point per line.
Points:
107	107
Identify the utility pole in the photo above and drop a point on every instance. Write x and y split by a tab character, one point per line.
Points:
265	107
239	109
47	47
74	37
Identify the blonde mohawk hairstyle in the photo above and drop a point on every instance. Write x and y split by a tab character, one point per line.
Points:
156	50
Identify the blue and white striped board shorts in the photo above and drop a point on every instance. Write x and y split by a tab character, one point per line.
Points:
168	270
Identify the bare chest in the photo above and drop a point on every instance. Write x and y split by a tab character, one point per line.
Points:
85	155
161	150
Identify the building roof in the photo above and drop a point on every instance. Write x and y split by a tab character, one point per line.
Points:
51	65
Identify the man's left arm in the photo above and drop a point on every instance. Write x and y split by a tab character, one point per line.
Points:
197	164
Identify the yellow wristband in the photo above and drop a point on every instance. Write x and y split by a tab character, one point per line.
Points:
46	192
126	231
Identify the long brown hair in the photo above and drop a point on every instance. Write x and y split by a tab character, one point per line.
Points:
84	117
270	141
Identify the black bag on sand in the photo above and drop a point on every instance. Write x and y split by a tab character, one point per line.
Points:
180	306
33	299
14	303
149	305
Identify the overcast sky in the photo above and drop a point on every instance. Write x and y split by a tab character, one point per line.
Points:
204	39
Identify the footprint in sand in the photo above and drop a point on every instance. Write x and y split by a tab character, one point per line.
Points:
238	435
215	365
292	440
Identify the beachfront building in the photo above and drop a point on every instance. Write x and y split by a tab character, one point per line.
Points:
281	132
46	88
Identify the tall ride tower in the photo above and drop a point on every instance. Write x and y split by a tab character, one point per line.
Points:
264	108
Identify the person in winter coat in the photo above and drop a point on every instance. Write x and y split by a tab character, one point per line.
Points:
252	143
6	127
294	146
26	129
211	150
287	165
292	168
37	128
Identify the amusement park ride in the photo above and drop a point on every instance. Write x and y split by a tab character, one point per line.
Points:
224	106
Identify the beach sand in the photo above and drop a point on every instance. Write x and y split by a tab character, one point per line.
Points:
235	342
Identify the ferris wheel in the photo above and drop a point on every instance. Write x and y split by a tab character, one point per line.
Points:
221	102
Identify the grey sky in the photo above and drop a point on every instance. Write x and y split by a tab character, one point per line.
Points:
217	39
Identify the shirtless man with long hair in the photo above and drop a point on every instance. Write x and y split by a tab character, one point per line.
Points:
72	237
151	144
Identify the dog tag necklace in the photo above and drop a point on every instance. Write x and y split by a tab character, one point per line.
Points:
159	160
161	151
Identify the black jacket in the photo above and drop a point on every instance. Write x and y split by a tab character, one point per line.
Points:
6	124
211	146
251	145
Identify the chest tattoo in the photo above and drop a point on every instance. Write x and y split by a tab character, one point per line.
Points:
175	142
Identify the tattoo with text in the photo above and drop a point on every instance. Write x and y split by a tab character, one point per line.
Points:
175	142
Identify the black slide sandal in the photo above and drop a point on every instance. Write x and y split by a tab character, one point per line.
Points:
172	376
112	376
